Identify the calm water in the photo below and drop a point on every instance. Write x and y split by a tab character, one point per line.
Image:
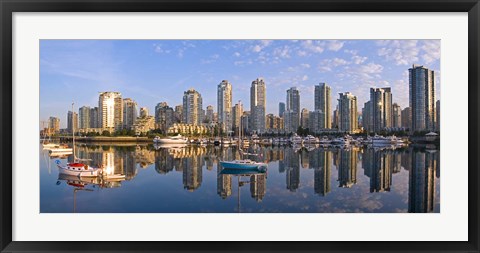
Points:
188	180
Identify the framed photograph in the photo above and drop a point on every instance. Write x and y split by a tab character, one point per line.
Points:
253	126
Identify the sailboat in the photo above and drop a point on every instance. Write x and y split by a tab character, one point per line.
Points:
244	164
77	168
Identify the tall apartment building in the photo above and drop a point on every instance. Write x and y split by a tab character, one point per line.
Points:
224	103
130	113
110	106
192	107
347	110
323	102
422	98
258	105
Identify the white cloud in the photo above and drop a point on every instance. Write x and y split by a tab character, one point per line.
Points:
335	45
305	65
282	52
402	52
259	47
359	59
327	65
313	46
159	49
211	59
305	78
236	54
431	50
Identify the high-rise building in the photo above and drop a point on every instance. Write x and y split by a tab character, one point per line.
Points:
94	120
281	109
129	113
72	122
192	107
316	121
179	114
367	121
237	113
396	116
304	117
292	114
84	114
407	117
323	102
347	110
245	121
258	105
164	116
437	110
381	108
422	98
209	114
335	118
110	106
54	124
224	100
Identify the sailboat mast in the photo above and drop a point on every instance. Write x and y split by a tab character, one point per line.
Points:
73	133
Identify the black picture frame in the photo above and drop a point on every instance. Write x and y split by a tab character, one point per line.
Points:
8	7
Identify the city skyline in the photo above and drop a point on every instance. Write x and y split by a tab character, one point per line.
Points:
151	72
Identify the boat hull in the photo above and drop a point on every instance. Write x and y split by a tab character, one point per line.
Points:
72	172
237	166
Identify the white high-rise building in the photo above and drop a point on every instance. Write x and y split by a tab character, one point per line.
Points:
110	106
224	100
258	105
192	107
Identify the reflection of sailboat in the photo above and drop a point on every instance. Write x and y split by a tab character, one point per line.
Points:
241	183
78	184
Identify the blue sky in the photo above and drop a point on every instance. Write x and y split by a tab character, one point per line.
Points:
153	71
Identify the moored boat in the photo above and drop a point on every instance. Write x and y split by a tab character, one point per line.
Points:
243	164
171	140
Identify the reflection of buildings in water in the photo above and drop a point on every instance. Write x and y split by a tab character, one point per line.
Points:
292	165
321	162
304	156
406	159
258	186
378	166
164	162
144	157
224	184
192	173
421	190
119	160
347	167
129	164
396	161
